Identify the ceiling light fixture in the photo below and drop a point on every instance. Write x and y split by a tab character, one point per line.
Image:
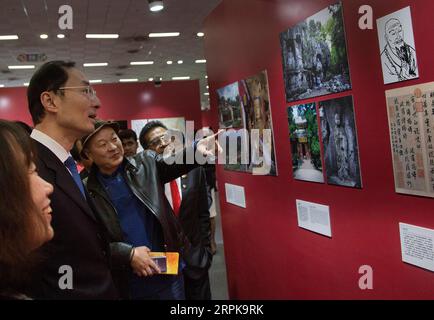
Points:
43	36
206	93
156	5
101	36
11	37
2	85
128	80
141	63
26	84
61	36
169	62
163	34
151	79
200	61
180	78
98	64
21	67
180	62
200	34
95	81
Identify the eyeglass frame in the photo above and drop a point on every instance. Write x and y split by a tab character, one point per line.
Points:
90	92
157	141
166	137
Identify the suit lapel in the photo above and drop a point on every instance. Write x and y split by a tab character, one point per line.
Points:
184	187
63	179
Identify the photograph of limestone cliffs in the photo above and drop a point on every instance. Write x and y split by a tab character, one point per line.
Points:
314	56
339	138
305	144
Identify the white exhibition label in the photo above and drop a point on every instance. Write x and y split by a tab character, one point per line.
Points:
314	217
235	195
417	245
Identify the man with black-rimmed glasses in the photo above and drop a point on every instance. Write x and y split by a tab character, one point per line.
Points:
63	107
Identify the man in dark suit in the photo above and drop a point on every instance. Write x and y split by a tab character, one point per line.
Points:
189	200
63	107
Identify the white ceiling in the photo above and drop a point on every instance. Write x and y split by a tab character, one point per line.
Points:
131	19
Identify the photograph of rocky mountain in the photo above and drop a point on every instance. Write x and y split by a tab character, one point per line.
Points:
314	56
339	138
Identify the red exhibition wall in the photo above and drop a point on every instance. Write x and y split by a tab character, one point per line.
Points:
124	101
268	256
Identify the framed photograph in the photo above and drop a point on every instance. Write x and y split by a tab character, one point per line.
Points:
231	111
305	143
314	56
339	137
244	109
255	96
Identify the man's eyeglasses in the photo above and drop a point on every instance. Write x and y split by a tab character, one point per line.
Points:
87	90
162	139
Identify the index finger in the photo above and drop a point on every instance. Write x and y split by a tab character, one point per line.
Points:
216	134
154	266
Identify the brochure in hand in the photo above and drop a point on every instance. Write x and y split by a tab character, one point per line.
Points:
167	261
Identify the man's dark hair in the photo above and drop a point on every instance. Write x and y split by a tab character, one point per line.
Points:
127	134
148	127
49	77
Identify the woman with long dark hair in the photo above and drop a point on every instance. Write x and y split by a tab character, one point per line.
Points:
25	219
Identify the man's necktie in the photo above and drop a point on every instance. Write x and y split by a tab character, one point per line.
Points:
176	197
70	164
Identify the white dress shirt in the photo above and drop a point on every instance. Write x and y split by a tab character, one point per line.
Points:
168	192
51	144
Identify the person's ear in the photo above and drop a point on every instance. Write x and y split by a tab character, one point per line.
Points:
88	154
47	100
